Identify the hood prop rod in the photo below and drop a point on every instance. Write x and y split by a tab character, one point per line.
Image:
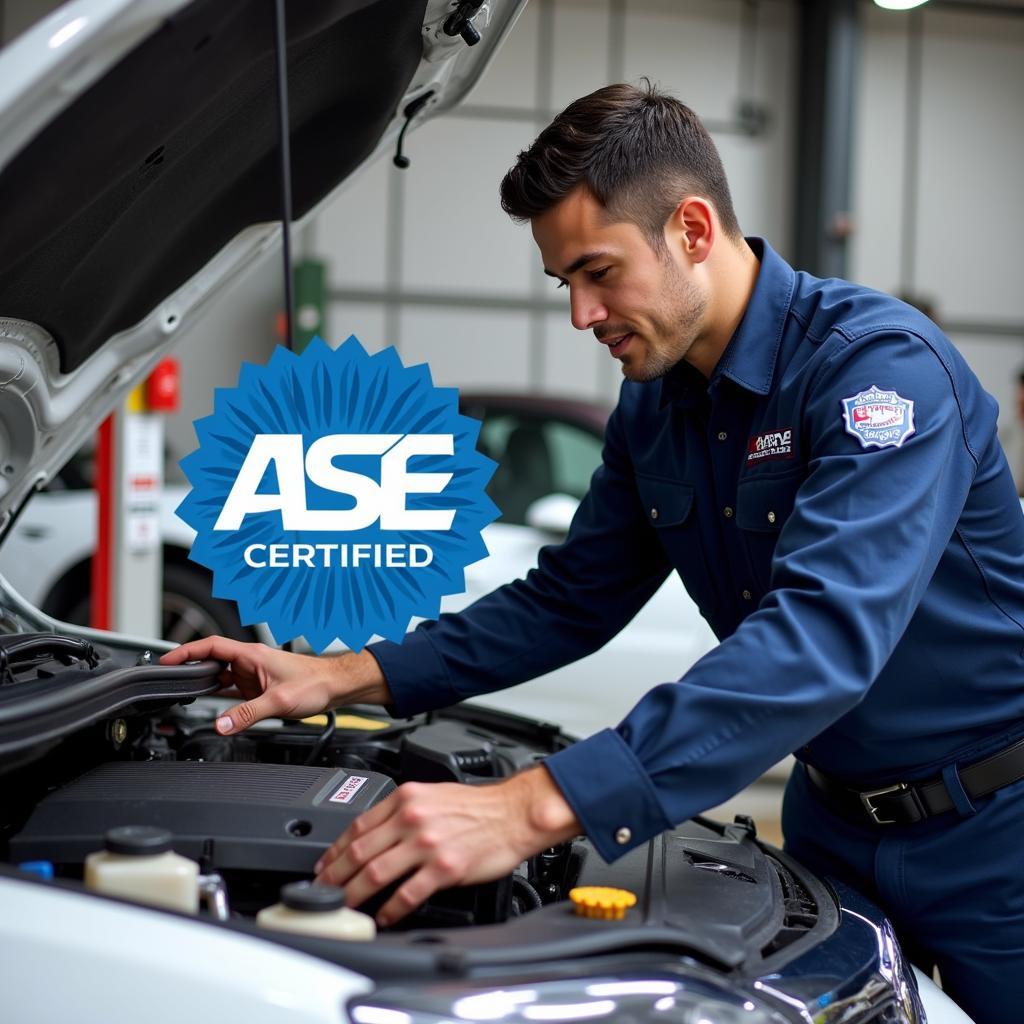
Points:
280	46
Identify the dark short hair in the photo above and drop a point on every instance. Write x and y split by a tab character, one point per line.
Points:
638	150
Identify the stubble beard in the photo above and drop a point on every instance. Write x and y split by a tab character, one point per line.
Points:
675	324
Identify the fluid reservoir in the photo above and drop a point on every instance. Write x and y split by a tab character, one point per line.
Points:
138	864
311	909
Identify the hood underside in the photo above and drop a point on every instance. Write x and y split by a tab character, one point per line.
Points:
140	172
145	177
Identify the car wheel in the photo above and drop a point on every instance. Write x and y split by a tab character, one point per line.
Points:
189	610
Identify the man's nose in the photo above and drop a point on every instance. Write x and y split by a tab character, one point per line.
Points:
586	310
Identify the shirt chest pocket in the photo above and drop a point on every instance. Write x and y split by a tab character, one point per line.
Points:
763	506
670	509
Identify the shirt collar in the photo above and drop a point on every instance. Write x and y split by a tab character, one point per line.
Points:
749	358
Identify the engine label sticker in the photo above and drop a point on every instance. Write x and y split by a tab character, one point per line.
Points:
348	790
773	444
337	495
879	418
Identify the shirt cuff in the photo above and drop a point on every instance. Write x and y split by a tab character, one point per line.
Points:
611	794
415	673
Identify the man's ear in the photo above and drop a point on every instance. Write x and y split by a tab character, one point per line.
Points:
692	229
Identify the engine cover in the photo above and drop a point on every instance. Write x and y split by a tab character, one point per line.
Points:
258	816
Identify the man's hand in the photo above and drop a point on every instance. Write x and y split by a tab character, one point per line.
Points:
278	684
445	834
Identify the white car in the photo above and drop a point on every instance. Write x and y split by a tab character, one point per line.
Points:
47	558
546	447
138	176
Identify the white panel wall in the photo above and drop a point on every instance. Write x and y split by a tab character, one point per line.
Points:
511	80
574	364
354	230
366	320
438	229
467	348
761	170
456	236
972	164
691	48
583	35
880	125
238	325
966	216
586	46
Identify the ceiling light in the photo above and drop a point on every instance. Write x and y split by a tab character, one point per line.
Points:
900	5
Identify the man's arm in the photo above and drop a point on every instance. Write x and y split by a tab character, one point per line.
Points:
445	834
850	568
851	565
279	684
583	592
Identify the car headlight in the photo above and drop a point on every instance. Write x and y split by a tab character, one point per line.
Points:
653	1000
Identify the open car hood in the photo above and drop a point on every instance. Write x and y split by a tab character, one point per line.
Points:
139	174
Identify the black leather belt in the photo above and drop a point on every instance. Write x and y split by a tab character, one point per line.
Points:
904	803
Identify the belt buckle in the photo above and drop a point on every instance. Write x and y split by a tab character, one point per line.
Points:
867	798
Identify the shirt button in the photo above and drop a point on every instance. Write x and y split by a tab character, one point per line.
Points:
771	517
747	595
727	512
654	513
623	836
722	435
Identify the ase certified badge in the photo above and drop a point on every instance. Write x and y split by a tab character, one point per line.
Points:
335	495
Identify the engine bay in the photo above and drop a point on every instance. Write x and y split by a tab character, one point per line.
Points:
259	808
93	739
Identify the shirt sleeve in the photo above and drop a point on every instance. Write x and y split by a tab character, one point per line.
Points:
580	595
852	562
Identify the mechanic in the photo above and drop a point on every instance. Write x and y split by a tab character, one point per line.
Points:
821	467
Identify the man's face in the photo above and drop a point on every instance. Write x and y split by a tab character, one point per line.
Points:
644	305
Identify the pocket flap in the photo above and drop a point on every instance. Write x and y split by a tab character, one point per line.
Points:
763	504
665	502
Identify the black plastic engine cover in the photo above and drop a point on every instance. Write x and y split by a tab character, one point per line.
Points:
258	816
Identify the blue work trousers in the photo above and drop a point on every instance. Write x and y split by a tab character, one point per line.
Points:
952	885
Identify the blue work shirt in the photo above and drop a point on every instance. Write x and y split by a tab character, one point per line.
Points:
837	504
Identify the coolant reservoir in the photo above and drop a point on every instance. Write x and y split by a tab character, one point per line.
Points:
311	909
138	864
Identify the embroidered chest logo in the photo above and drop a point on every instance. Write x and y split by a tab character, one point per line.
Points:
773	444
878	418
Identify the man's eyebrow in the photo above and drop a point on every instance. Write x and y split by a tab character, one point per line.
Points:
582	261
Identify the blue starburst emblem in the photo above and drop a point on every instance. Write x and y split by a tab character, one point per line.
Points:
336	495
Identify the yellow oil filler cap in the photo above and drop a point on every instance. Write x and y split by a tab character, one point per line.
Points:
602	902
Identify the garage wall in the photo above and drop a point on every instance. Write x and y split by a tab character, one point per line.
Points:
940	152
424	258
236	325
938	146
473	298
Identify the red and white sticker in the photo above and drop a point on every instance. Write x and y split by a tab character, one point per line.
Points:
879	418
773	444
348	790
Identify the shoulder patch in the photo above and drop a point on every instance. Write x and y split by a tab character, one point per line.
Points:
879	418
